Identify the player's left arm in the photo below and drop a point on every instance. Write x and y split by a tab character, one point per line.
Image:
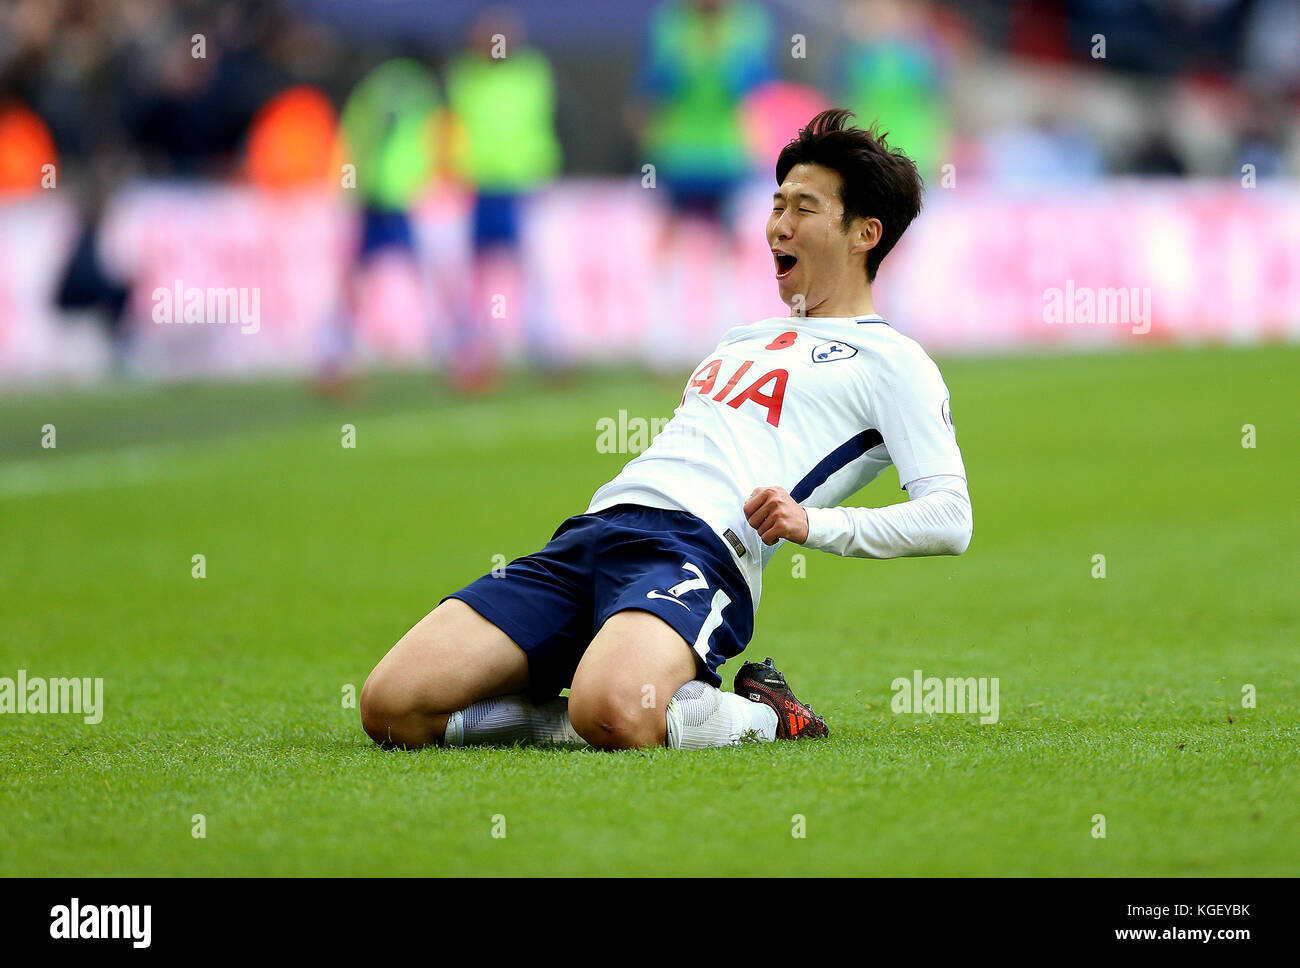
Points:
910	404
936	520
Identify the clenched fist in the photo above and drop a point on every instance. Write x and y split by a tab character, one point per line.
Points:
774	514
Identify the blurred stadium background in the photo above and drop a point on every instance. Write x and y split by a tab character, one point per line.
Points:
468	187
477	259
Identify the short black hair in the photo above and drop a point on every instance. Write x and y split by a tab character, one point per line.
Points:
877	181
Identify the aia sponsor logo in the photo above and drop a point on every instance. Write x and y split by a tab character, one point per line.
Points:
768	391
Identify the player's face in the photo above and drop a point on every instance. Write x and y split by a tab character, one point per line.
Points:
815	256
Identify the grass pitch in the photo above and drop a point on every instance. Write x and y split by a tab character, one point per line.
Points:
224	696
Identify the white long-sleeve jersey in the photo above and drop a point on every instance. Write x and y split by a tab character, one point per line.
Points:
818	406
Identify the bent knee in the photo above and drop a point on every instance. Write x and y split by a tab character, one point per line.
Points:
608	722
392	714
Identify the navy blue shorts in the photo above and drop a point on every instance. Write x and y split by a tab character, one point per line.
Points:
669	563
703	196
496	220
381	228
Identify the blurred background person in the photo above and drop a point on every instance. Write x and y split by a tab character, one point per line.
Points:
77	104
704	57
390	127
894	72
502	98
88	283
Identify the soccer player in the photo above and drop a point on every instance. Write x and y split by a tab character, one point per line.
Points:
637	602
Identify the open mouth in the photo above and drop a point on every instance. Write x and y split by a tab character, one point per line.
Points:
784	263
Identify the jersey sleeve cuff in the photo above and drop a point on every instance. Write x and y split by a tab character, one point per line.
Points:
823	525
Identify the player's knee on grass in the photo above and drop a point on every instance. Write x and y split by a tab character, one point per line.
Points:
393	717
394	714
627	675
614	719
452	658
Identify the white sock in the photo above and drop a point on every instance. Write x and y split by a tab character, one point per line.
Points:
505	720
701	715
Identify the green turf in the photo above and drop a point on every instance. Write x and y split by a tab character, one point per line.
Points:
1119	696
